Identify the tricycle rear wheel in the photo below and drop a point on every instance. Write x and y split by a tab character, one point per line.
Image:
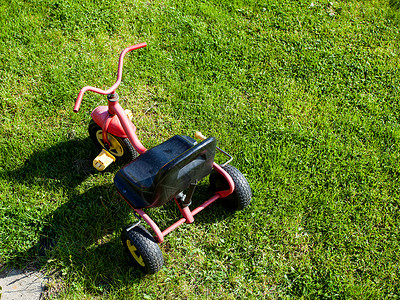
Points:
241	196
142	249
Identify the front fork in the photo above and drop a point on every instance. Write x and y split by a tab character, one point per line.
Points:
115	120
105	126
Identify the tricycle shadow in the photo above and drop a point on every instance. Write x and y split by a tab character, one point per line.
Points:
82	233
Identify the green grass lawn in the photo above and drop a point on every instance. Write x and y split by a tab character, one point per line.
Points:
304	94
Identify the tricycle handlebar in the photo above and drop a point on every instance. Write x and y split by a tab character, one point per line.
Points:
112	89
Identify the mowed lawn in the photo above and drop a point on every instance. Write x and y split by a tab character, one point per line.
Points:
304	95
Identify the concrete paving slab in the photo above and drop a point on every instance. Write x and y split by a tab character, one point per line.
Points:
17	284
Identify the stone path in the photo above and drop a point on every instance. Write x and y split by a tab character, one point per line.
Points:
17	284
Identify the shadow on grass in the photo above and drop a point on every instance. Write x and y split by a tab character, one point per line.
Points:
81	236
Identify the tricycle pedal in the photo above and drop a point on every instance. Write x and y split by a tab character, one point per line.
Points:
103	160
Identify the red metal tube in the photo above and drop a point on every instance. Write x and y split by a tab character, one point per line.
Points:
205	204
121	63
225	193
186	213
194	212
116	108
152	224
173	226
160	234
112	89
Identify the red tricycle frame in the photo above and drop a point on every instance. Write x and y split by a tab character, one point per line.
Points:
113	119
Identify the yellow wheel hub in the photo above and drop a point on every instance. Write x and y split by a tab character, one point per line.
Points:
132	250
115	146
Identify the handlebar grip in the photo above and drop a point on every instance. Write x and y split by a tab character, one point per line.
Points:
134	47
78	101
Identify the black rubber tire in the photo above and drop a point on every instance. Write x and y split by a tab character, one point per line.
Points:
126	152
241	196
142	249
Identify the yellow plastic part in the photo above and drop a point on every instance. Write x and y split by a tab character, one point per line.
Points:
103	160
199	135
133	250
129	114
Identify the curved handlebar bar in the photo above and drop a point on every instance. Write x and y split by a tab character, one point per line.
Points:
112	89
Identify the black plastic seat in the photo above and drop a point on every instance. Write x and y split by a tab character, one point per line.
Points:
159	174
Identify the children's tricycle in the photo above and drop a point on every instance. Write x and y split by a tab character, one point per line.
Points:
153	177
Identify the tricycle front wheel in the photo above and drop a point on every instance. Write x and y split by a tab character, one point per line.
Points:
121	148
